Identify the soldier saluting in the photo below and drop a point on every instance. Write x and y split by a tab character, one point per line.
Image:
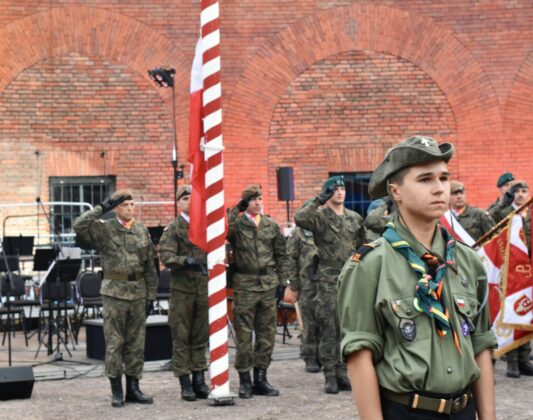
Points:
128	289
414	332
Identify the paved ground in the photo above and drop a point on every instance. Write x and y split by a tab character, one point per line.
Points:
88	397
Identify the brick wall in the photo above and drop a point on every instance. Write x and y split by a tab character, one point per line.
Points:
314	84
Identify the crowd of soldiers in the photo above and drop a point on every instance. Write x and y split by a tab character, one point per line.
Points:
308	263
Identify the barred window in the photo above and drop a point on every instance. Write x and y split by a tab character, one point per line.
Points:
72	190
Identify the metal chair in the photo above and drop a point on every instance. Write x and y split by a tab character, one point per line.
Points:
14	309
88	285
163	289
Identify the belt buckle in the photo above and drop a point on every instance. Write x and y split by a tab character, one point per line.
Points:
459	403
131	277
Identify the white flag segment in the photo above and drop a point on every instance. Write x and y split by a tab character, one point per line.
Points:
196	71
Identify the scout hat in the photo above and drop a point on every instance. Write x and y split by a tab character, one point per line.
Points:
415	150
456	186
334	181
251	192
183	190
122	194
504	179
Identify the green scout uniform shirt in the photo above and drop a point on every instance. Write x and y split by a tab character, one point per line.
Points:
475	221
336	237
174	248
259	253
377	293
303	256
124	251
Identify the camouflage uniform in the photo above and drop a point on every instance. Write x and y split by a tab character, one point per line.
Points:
376	220
475	221
302	276
500	211
188	311
260	261
336	238
130	280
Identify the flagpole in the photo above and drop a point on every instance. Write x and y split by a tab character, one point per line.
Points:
215	212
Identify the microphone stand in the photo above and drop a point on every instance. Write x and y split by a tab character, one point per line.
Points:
8	303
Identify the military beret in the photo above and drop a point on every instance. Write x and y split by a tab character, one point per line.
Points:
183	190
519	184
334	181
504	179
251	192
413	151
456	186
124	193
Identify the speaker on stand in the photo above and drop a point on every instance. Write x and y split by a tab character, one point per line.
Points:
285	178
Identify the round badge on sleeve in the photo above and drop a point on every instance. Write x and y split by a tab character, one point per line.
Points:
407	329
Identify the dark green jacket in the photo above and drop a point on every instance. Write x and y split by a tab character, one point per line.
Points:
124	251
259	253
336	237
174	248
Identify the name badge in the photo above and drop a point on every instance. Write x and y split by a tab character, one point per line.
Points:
407	329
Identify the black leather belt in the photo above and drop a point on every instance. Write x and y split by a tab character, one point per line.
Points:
254	272
446	405
124	276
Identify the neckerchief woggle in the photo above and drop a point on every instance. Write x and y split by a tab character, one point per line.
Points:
428	292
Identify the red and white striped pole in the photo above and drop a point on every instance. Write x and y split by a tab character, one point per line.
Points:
215	212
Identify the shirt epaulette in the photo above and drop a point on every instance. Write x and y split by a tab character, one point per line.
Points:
362	251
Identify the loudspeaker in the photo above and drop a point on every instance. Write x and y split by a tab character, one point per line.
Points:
16	382
285	177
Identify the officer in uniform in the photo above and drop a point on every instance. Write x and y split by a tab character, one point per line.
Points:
504	184
188	310
416	337
338	232
303	257
128	289
474	220
518	359
260	261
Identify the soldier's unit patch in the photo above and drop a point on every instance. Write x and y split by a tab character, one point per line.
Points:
362	251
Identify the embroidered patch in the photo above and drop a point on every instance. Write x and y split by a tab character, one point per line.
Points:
407	329
362	251
460	302
465	329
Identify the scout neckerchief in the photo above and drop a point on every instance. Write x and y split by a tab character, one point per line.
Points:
428	297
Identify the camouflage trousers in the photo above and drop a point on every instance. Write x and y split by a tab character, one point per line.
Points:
310	334
254	312
124	332
329	330
520	354
189	327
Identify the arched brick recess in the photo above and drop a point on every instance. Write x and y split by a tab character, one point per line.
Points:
518	122
347	105
53	112
414	38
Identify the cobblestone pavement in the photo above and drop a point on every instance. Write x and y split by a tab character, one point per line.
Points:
301	397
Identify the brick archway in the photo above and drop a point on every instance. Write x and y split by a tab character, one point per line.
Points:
415	38
92	32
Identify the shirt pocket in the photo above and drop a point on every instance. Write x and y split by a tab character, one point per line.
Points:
143	250
467	307
409	324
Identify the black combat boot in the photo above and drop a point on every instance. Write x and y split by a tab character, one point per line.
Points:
245	388
187	392
261	385
134	393
512	370
198	385
343	382
116	391
311	366
525	368
331	386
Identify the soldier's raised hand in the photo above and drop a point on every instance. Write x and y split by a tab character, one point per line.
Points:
113	201
326	193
